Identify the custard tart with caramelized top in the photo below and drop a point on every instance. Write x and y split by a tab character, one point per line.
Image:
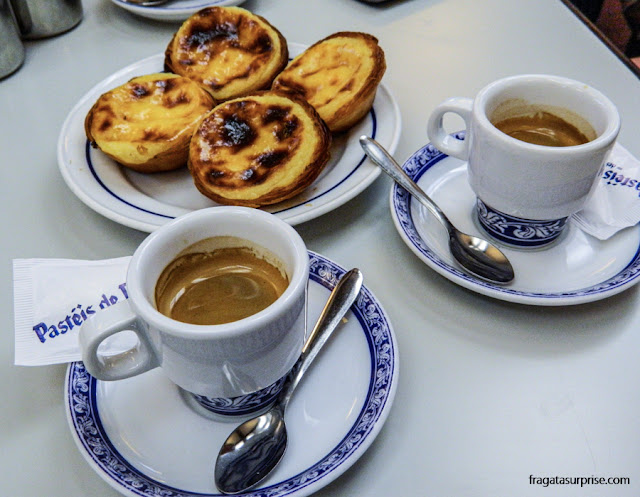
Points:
230	51
146	124
258	150
338	75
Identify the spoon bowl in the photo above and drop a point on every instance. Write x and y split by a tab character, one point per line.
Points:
476	255
256	447
267	437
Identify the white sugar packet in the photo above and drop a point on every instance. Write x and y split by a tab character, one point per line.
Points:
54	297
615	203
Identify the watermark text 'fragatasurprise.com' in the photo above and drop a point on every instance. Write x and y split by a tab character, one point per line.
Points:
546	481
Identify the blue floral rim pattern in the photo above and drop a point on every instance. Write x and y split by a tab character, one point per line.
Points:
523	233
243	404
427	157
84	415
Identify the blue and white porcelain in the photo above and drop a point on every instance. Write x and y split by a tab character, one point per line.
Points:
518	232
173	10
577	268
242	405
526	181
229	359
144	439
147	201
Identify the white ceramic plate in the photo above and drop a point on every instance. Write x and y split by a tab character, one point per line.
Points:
578	268
143	439
174	10
147	201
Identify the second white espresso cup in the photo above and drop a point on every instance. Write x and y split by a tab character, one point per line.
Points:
527	191
231	368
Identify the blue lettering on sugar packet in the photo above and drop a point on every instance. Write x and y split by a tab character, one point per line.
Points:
614	178
76	316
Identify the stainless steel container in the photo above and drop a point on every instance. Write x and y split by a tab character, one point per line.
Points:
43	18
11	48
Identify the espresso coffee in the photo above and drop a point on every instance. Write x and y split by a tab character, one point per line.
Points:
218	286
546	125
542	128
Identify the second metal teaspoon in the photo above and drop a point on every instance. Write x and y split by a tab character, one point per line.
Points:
256	446
146	3
476	255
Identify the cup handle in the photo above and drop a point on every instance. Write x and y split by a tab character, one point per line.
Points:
115	319
442	140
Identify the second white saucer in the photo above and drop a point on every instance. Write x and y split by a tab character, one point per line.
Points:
143	439
578	268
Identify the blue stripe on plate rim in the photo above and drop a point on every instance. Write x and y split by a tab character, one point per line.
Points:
428	156
89	150
84	417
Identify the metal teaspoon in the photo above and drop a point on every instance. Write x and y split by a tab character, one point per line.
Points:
476	255
145	3
256	447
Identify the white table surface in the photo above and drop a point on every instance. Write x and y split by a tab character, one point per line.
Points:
489	393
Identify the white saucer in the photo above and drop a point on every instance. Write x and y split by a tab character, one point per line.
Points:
578	268
147	201
140	436
175	10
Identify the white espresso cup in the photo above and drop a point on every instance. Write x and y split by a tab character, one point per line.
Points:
232	368
525	192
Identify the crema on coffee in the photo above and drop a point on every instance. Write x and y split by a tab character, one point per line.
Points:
219	286
541	125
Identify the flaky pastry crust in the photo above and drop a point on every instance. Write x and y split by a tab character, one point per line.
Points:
146	124
258	150
338	75
230	51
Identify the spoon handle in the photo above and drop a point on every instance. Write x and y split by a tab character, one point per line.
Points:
342	297
381	158
145	3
